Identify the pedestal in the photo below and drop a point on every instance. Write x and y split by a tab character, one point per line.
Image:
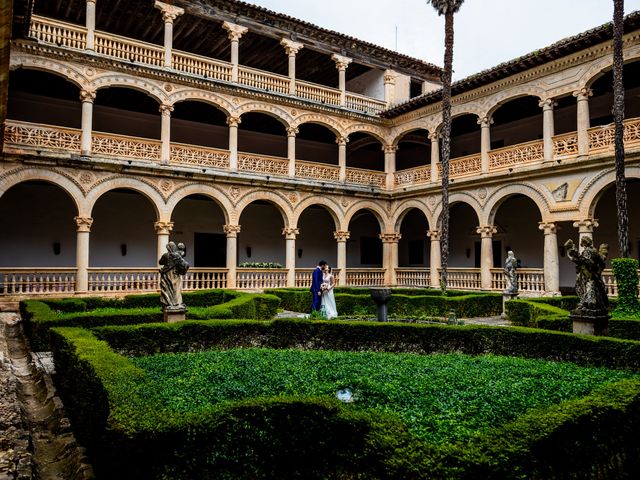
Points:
505	298
381	296
173	315
590	322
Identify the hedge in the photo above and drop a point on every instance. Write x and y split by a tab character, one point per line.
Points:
313	438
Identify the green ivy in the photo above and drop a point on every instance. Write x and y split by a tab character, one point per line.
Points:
626	272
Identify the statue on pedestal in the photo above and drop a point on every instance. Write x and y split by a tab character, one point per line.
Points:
511	274
589	266
174	266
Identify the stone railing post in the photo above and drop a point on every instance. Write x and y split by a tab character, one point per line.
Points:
342	157
83	230
548	129
585	229
291	48
341	241
235	32
435	261
583	121
163	229
390	165
390	256
165	134
486	233
290	234
551	263
232	232
435	154
291	150
90	23
233	123
87	97
169	14
341	64
389	87
485	142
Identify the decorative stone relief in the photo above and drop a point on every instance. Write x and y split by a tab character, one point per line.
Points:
482	193
166	186
560	193
163	228
392	237
234	193
344	202
86	178
83	223
231	230
168	87
341	236
293	198
431	200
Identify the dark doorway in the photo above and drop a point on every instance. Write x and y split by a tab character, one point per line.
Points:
497	254
370	251
416	252
210	250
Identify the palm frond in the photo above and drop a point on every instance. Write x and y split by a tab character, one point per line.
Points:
445	6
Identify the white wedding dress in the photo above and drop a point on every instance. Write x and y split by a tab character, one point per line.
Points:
328	300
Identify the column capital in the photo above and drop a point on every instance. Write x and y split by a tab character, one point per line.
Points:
390	237
83	224
341	62
169	12
587	225
486	231
290	233
91	1
234	121
389	77
234	31
292	48
434	235
434	136
165	110
547	104
292	131
485	121
340	140
231	230
341	236
389	148
87	95
583	93
163	228
547	227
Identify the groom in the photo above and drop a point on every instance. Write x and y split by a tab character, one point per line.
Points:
316	291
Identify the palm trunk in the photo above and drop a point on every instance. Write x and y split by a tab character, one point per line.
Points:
446	140
618	117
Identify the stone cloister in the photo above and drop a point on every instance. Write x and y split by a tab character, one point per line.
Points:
109	152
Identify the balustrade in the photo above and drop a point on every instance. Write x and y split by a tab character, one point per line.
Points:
204	279
23	134
530	280
260	278
412	277
365	104
317	93
124	280
366	177
464	278
513	155
203	66
199	156
266	81
58	33
303	277
412	176
602	138
365	277
125	146
40	281
461	166
253	162
565	144
121	48
317	171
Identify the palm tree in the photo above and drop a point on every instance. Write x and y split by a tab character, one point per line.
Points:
447	8
618	117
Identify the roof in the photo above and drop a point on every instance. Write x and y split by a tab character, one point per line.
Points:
534	59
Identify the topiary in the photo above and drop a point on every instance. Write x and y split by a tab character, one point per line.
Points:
626	272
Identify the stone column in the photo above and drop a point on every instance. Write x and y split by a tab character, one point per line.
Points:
390	256
435	262
290	234
342	157
91	24
232	232
389	87
583	120
390	165
486	254
291	150
235	32
83	230
341	64
548	129
551	264
87	97
165	134
435	155
233	123
341	239
163	229
169	14
485	141
585	229
292	48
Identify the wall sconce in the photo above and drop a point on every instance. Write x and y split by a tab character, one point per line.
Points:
468	252
248	252
299	253
56	248
123	249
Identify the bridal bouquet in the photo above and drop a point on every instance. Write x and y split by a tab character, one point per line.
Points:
324	287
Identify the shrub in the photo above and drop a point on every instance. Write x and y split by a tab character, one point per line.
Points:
626	272
537	315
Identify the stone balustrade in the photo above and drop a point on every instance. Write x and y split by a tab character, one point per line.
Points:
365	277
413	277
260	278
463	278
530	280
38	281
303	277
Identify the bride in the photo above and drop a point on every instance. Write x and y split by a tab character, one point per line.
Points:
328	300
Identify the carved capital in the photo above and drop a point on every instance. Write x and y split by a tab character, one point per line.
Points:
485	121
234	31
169	12
434	136
163	228
547	104
392	237
341	62
290	233
342	140
549	228
389	77
390	148
486	231
341	236
87	95
231	230
587	225
234	121
83	224
434	235
292	131
165	110
583	94
292	48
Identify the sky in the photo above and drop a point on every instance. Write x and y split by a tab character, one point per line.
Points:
487	32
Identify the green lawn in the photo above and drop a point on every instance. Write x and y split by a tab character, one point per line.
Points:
441	397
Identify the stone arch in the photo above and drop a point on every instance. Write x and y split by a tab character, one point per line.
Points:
363	128
210	98
497	198
598	68
459	112
219	197
405	207
596	187
457	197
66	184
136	83
328	203
399	135
64	70
139	186
278	201
375	209
507	96
319	120
278	113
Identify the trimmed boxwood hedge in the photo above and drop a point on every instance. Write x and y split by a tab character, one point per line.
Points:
312	438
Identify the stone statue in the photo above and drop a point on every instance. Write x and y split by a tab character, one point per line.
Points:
511	274
589	285
173	267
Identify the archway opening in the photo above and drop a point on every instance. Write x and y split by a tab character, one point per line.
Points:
365	151
125	111
261	239
316	143
316	241
517	220
602	101
463	239
364	247
414	150
123	240
199	123
465	135
38	226
262	134
516	121
414	246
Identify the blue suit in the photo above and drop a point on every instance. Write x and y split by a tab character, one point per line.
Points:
316	281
